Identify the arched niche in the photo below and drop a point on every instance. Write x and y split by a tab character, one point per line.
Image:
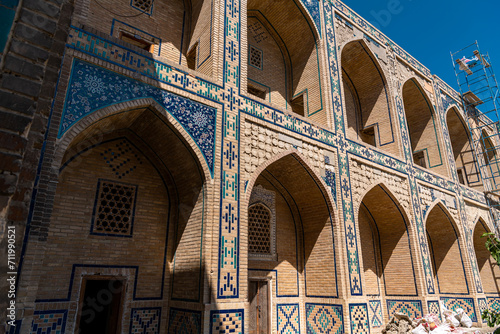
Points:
367	98
304	256
423	127
283	69
129	205
490	162
446	252
488	269
386	246
463	152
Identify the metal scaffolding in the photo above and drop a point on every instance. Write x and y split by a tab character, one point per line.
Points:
480	97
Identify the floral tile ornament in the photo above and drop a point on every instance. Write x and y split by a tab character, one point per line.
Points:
92	88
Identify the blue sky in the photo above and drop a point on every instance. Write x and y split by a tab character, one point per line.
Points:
429	30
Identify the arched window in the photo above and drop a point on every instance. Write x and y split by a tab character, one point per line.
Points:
368	111
423	127
259	229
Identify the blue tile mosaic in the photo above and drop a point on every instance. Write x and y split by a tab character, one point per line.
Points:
288	318
324	319
92	88
49	322
145	320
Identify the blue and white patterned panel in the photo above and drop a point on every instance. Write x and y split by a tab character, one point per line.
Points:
313	9
412	308
49	322
494	303
229	223
483	305
377	319
360	322
433	306
145	320
324	319
226	322
288	318
92	88
467	304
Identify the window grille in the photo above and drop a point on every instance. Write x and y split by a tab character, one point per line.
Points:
114	208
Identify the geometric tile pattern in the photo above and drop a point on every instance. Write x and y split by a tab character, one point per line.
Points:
114	208
467	304
412	308
343	168
226	321
49	322
313	9
288	318
376	313
494	303
359	319
145	320
483	305
92	88
324	319
229	223
434	308
184	321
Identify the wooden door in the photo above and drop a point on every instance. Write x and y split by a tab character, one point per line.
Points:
258	295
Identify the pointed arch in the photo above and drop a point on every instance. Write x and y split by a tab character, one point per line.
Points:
275	40
91	128
444	239
366	96
488	269
463	151
304	207
121	141
386	245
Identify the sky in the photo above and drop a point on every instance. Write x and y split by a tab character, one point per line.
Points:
430	29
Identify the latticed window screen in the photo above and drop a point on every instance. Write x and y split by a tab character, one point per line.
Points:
143	5
255	57
259	237
114	208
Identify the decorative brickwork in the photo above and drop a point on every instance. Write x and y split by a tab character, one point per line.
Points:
433	307
114	208
467	304
226	322
483	305
360	322
376	316
46	322
145	320
412	308
288	319
494	303
324	319
184	321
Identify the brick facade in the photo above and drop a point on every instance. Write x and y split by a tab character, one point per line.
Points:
134	137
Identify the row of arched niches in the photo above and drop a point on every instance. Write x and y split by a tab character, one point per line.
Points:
285	65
